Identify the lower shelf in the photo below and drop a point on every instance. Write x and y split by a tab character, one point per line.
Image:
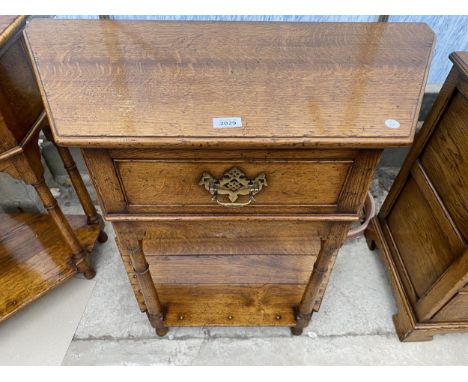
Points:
34	258
229	305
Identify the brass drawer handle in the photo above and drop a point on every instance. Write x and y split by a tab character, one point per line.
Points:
233	183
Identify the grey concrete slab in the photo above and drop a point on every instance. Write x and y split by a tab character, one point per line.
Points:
40	333
273	350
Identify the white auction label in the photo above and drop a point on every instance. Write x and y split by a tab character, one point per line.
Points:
227	122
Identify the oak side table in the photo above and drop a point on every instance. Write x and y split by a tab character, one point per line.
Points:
37	251
231	158
422	227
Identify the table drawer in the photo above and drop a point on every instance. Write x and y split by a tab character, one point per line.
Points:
262	184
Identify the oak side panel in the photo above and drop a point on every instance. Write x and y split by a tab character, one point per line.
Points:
455	310
419	239
445	160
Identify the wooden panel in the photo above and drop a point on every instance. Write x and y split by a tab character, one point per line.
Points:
102	173
263	245
452	280
293	84
231	269
20	99
445	160
455	310
358	181
455	241
420	241
230	305
231	237
408	327
175	183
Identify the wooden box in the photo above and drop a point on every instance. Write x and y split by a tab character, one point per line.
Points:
233	221
422	228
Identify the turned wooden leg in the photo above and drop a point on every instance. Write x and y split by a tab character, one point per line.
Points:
79	254
80	188
155	310
324	262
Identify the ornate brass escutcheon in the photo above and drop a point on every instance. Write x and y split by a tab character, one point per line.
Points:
233	183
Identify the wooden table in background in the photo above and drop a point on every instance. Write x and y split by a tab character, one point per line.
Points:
37	251
318	103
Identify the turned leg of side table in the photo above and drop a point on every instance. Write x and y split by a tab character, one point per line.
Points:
328	250
79	254
134	248
79	186
28	167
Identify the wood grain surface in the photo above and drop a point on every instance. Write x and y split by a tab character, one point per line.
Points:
113	83
422	228
410	222
34	258
176	183
230	305
139	98
443	161
231	269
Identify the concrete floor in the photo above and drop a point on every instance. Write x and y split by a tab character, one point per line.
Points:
353	327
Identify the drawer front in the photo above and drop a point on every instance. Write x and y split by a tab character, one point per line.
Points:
445	160
165	185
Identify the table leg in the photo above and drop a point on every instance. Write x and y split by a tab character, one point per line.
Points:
79	254
328	250
79	186
155	311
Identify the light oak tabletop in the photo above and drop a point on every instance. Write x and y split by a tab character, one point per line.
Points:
160	83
